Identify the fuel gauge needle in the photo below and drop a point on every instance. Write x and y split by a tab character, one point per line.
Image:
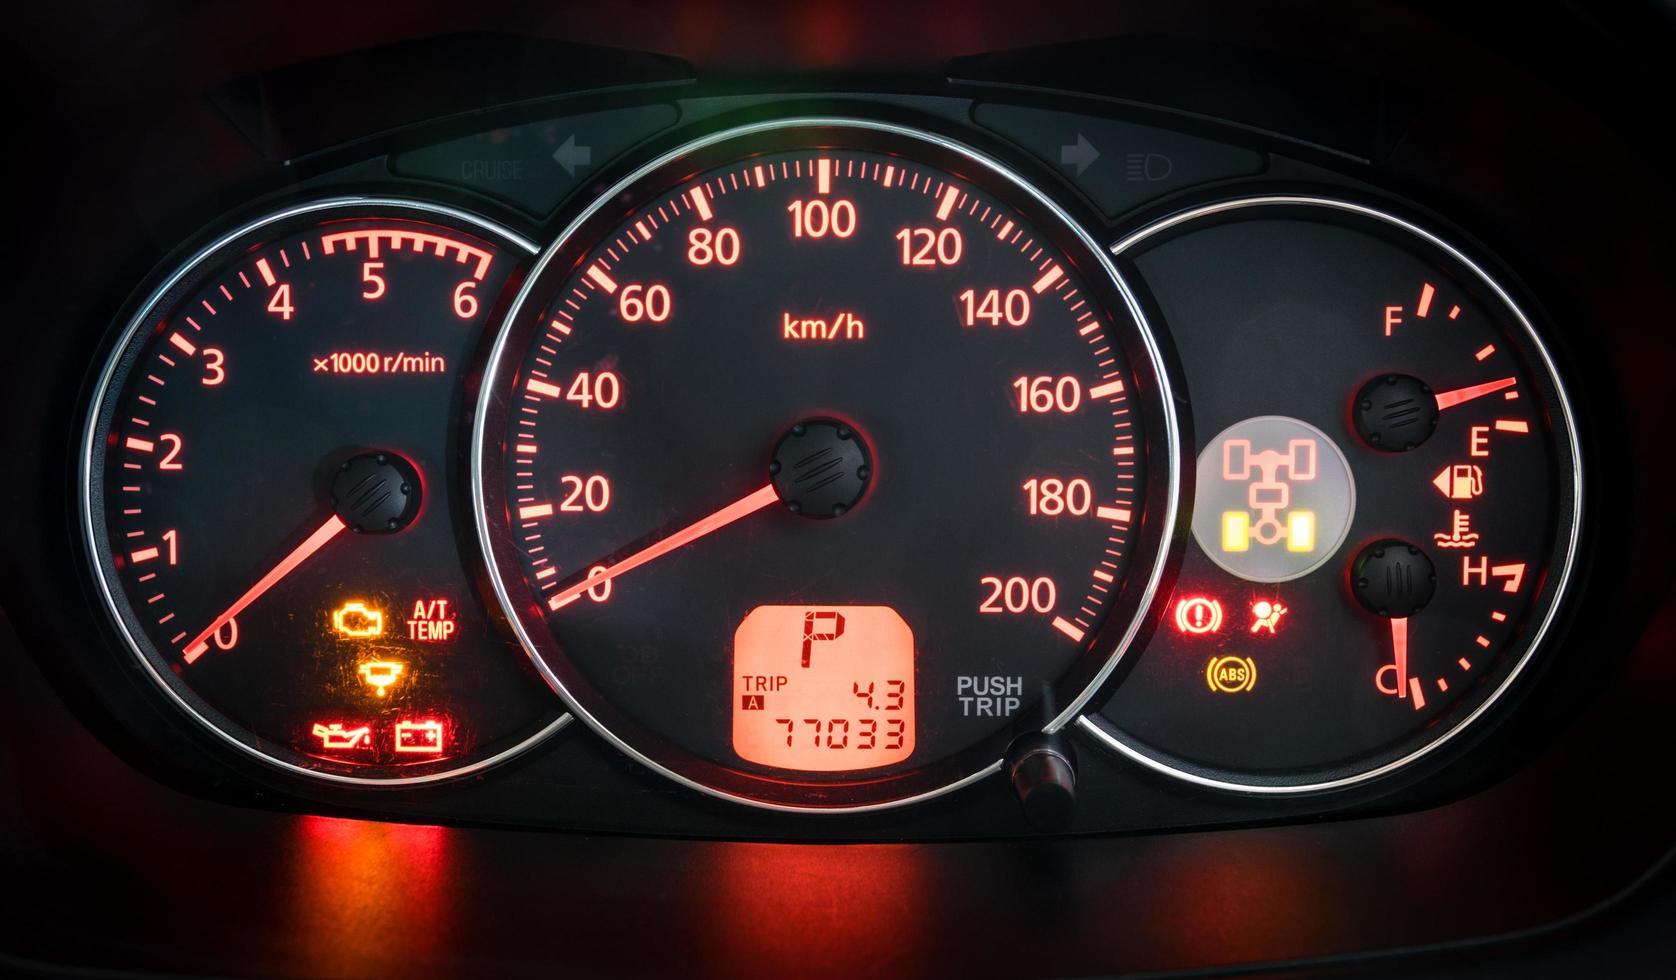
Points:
742	507
286	566
1449	399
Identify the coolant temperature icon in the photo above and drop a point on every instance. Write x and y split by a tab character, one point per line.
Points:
1274	499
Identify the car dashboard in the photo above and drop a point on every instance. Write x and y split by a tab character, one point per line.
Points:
838	490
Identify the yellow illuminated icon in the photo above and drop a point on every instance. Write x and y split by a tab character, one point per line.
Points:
1300	531
1231	675
1236	530
357	620
382	673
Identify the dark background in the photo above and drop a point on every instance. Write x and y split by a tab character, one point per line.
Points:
1539	127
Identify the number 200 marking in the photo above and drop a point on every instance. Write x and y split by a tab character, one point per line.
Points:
1017	594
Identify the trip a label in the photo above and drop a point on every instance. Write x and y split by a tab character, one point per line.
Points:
365	363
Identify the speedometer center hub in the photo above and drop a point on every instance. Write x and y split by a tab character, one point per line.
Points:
821	468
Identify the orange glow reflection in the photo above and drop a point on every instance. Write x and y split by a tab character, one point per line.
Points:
367	898
786	909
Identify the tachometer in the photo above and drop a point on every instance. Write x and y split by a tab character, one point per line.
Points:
1387	505
819	460
269	494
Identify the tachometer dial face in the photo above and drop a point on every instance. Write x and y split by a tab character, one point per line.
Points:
819	460
1386	505
271	503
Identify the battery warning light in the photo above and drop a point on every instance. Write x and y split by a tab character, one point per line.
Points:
357	620
1198	615
381	673
420	737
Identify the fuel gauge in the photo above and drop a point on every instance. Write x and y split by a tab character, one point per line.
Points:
1387	498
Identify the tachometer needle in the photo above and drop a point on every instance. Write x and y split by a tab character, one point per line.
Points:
1449	399
663	546
286	566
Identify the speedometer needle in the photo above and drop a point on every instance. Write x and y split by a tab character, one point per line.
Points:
687	535
1449	399
286	566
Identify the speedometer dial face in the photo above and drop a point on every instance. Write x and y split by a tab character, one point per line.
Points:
821	459
271	503
1386	505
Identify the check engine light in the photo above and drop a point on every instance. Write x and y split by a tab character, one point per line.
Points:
357	621
823	688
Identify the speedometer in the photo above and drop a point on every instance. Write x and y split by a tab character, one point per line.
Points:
821	459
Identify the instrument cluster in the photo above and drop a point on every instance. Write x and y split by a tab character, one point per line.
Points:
825	456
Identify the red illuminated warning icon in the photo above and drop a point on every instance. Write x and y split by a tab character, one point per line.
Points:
432	621
1198	615
336	736
1265	615
420	737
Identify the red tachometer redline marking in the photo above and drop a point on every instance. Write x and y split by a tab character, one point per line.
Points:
742	507
1449	399
286	566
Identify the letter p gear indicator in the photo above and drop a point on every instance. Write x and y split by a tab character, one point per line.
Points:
811	635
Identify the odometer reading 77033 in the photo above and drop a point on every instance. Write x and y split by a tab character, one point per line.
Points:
819	460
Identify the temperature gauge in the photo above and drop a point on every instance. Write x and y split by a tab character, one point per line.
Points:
1386	506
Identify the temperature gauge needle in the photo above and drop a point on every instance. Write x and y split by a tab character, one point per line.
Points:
1399	651
1449	399
286	566
663	546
